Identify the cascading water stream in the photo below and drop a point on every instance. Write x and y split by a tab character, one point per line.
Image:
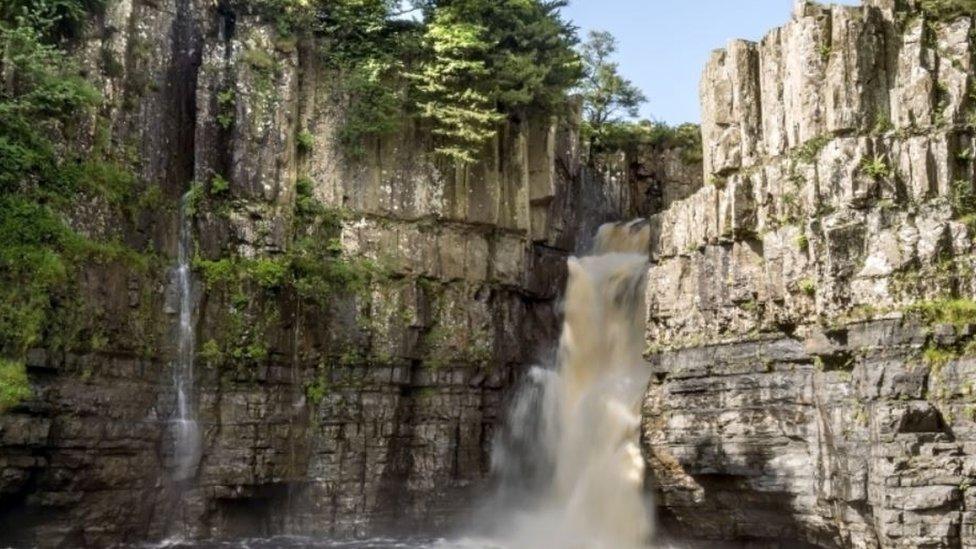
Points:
186	432
571	443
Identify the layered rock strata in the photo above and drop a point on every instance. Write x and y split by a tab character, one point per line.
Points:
373	411
805	306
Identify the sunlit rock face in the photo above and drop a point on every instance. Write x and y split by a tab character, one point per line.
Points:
796	395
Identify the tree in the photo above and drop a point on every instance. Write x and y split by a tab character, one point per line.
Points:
491	59
606	95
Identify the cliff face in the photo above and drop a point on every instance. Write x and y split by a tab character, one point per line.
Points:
810	310
367	411
408	373
810	321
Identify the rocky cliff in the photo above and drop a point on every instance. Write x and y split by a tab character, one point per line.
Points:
811	308
365	405
810	301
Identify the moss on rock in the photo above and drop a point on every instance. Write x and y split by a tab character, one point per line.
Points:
14	386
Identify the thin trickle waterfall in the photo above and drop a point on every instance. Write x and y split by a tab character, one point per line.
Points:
186	432
569	456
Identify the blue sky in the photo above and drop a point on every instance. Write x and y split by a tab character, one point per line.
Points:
663	44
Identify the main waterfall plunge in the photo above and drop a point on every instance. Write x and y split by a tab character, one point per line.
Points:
569	459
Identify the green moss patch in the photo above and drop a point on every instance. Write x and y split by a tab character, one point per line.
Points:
945	311
14	386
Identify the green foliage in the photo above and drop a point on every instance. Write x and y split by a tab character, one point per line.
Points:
632	136
43	174
825	51
267	273
317	389
876	167
963	198
306	141
607	96
965	156
225	108
219	186
371	52
882	124
945	311
605	93
464	115
312	270
259	59
14	386
376	101
686	137
948	9
809	151
211	353
465	68
57	19
306	205
808	286
193	198
489	59
802	242
107	179
937	357
318	272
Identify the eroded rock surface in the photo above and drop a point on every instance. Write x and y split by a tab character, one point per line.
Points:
372	411
798	395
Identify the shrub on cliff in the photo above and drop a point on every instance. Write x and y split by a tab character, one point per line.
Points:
948	9
13	384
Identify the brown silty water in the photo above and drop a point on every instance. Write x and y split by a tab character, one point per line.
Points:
584	413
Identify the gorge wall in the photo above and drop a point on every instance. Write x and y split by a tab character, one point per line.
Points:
810	298
371	409
811	308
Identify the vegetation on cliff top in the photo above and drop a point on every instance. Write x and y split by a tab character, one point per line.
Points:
55	19
606	94
490	59
464	67
945	311
611	102
947	9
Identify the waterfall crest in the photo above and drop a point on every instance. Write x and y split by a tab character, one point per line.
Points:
570	447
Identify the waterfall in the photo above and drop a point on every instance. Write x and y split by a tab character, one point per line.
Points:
185	431
569	454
